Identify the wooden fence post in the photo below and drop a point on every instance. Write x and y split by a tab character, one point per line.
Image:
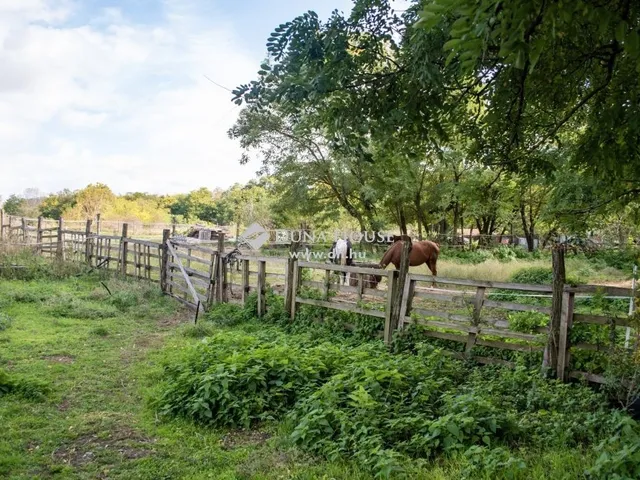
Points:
164	261
97	224
262	287
566	322
407	301
39	236
24	230
550	359
60	245
245	281
124	247
211	297
224	280
327	284
1	224
398	290
221	271
392	285
87	242
294	287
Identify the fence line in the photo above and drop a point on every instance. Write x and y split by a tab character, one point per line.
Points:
475	319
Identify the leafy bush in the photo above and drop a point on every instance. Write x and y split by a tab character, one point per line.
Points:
621	259
377	408
199	330
619	455
236	380
527	322
541	276
30	389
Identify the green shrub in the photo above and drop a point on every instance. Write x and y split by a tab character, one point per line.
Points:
619	455
623	259
236	380
527	322
199	330
541	276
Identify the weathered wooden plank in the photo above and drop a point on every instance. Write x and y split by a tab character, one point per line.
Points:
146	243
183	301
445	315
446	336
437	324
197	282
186	290
605	289
312	284
194	246
592	377
276	275
600	319
252	258
186	256
515	335
592	347
444	297
340	268
478	283
509	346
519	307
345	307
566	321
192	272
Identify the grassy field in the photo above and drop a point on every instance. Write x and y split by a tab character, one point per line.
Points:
87	360
97	358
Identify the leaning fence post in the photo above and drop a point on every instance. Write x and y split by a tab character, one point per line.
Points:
60	245
124	245
245	281
39	235
87	244
1	224
566	322
398	289
262	287
294	288
392	285
164	261
550	359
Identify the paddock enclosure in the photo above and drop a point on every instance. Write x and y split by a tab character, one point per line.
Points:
475	320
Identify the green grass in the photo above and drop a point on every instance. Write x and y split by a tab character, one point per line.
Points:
99	357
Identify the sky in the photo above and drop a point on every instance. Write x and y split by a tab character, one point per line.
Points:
116	91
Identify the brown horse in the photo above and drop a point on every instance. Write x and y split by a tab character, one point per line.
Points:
421	252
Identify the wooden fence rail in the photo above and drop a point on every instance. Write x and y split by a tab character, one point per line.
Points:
472	319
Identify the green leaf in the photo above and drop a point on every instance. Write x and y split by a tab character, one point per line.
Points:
451	44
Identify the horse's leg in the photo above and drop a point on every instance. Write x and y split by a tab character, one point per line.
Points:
432	266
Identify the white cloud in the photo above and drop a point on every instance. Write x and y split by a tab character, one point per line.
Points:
117	102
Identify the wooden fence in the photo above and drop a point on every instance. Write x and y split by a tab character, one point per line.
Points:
472	318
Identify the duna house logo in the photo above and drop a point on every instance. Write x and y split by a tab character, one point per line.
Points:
255	236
